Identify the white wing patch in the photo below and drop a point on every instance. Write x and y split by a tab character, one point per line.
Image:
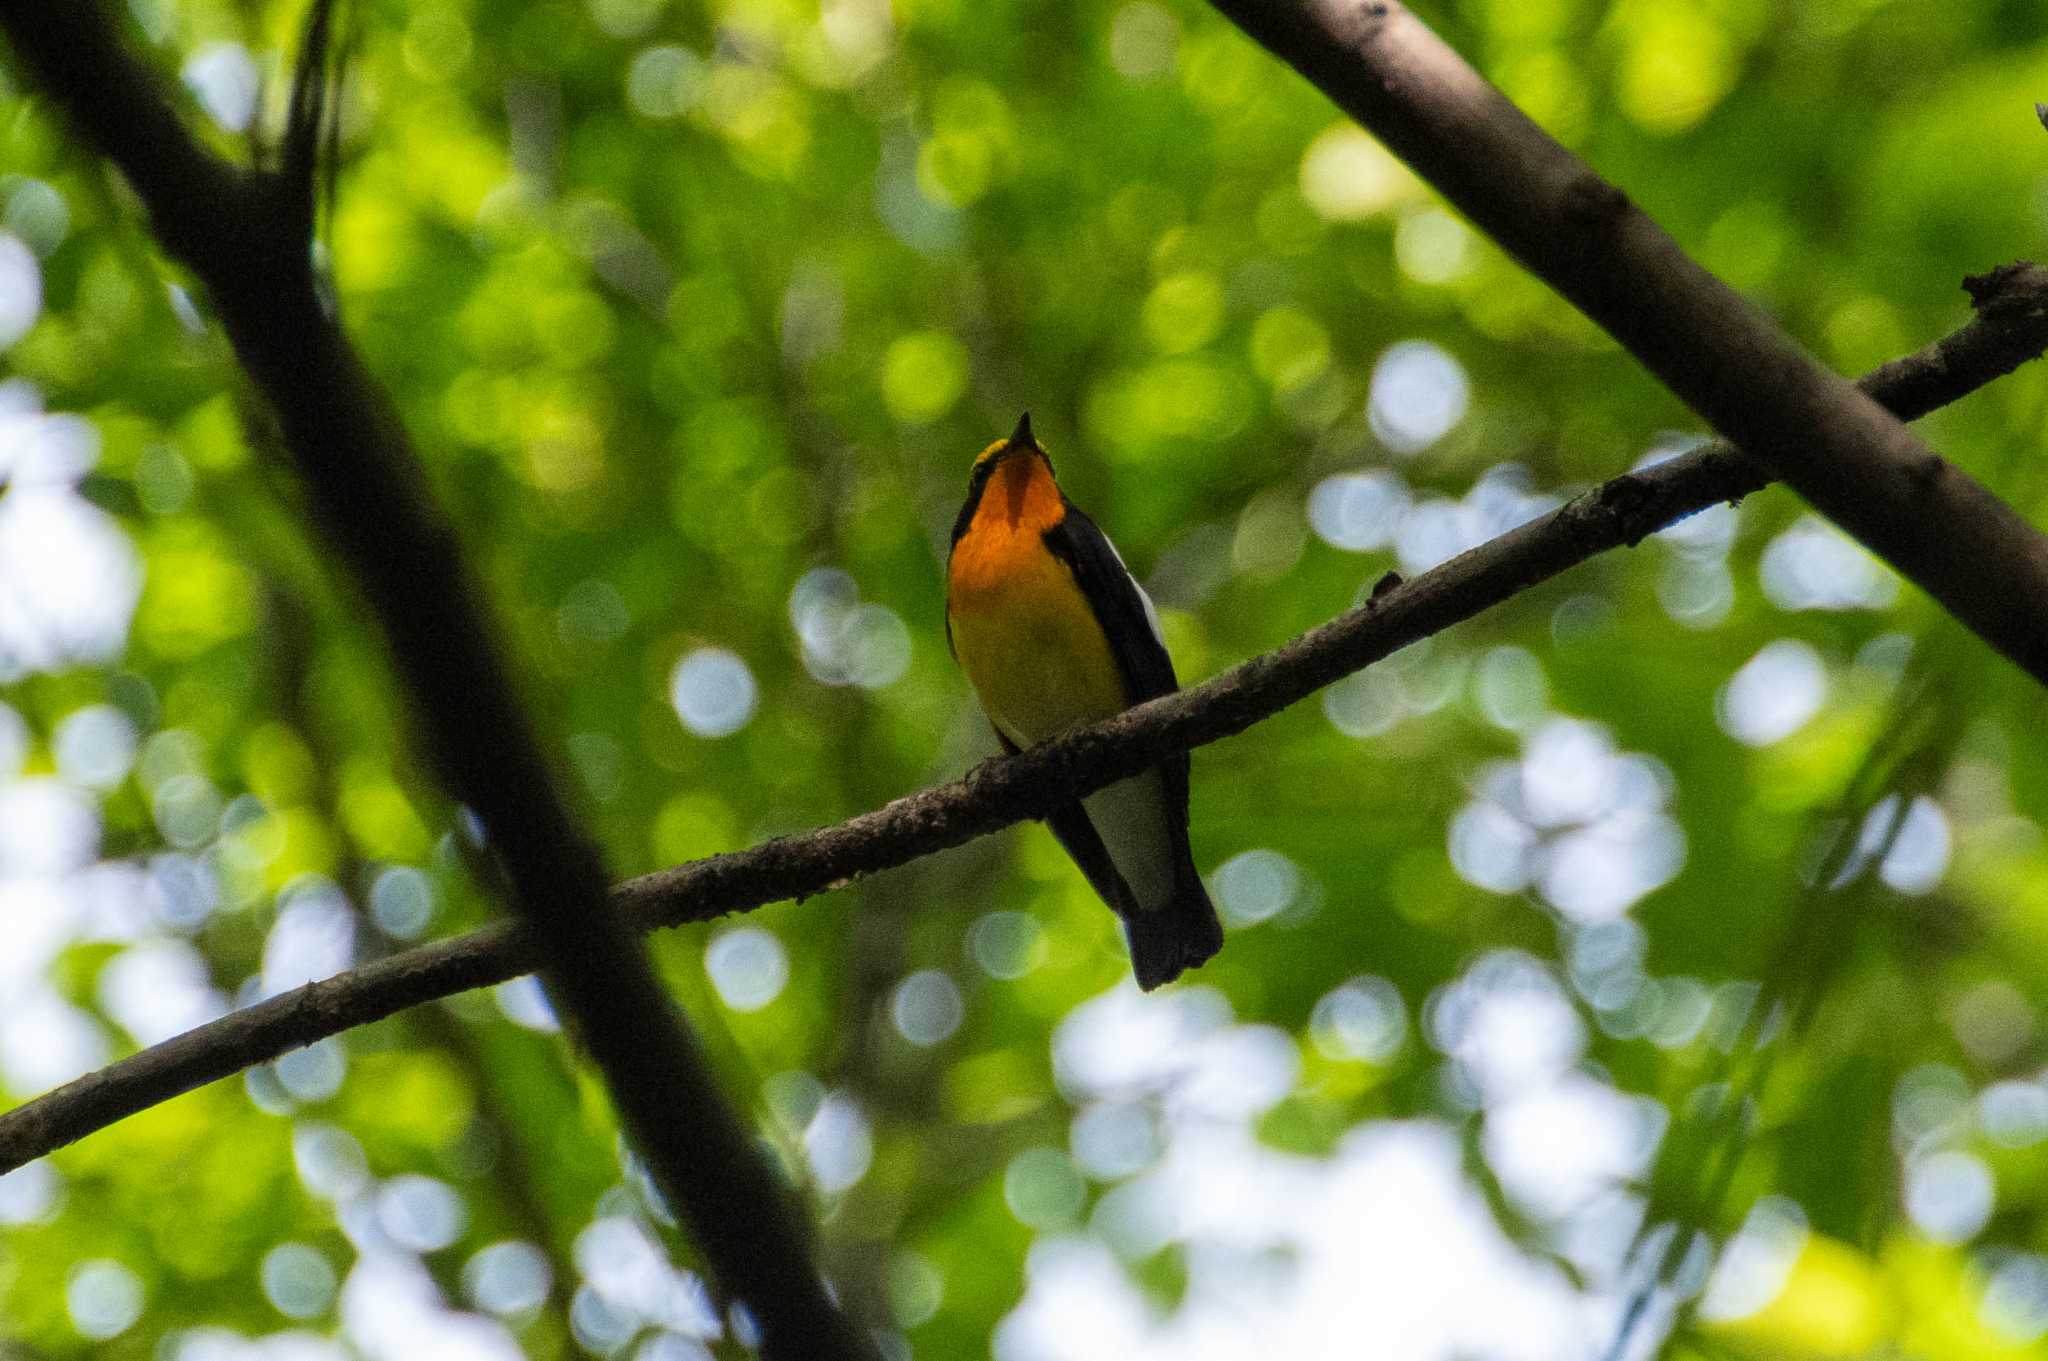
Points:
1145	599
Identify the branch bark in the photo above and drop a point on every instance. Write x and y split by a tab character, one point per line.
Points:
247	236
2010	327
1936	524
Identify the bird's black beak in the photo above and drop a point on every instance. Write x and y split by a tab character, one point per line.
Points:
1022	434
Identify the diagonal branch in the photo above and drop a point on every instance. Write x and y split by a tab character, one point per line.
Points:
1936	524
246	235
2010	327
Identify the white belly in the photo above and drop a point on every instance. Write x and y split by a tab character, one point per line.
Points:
1131	818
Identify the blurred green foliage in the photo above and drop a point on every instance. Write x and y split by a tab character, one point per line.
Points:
698	314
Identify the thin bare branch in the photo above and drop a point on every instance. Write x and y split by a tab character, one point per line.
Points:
2010	327
1844	453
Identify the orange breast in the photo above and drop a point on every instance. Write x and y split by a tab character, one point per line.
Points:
1024	633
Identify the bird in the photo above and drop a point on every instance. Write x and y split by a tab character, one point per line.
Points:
1054	633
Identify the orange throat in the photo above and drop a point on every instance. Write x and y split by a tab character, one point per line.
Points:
1020	502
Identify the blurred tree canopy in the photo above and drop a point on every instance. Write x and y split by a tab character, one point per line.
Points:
1664	946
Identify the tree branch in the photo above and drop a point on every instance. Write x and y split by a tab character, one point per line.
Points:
246	235
1938	526
2010	327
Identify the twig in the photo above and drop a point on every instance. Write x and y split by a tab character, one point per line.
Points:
1805	962
2009	328
1936	524
246	233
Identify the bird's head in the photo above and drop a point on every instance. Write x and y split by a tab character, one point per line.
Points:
1018	445
1012	479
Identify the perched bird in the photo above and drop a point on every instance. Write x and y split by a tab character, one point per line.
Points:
1053	633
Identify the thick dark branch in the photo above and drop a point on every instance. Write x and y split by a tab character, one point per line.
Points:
1862	469
120	107
245	235
2011	327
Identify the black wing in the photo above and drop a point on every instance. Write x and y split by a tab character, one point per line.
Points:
1141	658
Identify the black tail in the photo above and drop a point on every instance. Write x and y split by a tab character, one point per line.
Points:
1167	940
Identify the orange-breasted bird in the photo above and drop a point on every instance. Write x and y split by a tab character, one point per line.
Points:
1054	633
